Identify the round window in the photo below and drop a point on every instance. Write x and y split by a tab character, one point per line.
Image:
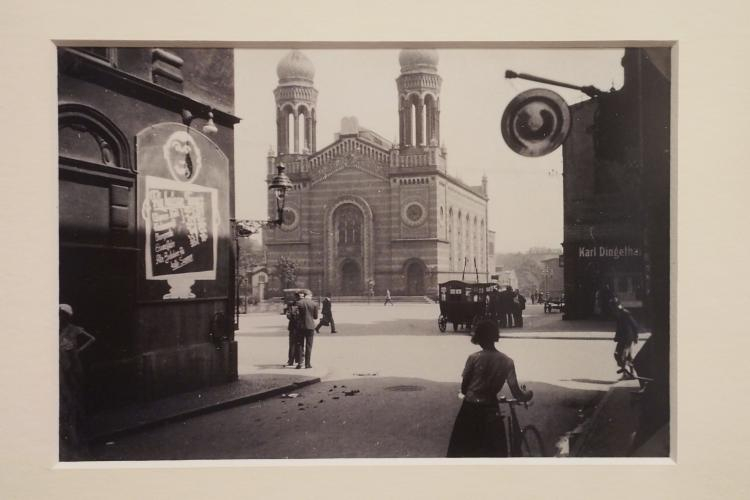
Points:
291	219
414	214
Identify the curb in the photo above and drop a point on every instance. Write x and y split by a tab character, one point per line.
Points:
222	405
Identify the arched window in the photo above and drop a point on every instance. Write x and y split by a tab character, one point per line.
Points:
86	134
302	130
349	222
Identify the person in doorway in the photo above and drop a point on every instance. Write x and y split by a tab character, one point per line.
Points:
519	304
326	316
626	336
308	313
73	340
388	299
478	430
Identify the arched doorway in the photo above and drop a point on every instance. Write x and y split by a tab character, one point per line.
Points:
351	278
415	272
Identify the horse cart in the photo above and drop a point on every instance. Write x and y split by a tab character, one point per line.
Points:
463	304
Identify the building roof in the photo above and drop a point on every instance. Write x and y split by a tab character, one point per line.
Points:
295	67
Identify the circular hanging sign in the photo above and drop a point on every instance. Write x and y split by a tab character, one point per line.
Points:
535	122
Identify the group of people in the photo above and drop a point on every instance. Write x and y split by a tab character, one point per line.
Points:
506	307
302	315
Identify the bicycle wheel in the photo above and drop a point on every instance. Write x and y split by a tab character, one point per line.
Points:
531	442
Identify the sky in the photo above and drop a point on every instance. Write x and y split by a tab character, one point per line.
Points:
526	199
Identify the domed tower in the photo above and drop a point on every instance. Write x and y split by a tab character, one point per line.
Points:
419	100
296	100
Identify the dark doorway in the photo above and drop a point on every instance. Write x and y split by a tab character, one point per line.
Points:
351	278
415	279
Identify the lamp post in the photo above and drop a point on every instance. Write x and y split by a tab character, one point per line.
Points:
546	272
245	228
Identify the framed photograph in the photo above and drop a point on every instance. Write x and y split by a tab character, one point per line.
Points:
378	256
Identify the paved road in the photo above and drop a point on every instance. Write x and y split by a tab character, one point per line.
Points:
407	376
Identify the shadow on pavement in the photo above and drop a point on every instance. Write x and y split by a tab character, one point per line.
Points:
362	417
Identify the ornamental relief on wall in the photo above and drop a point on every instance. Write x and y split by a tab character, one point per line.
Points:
350	160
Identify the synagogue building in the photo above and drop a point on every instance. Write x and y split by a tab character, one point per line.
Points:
365	211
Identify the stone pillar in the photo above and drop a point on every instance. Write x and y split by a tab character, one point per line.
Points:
308	133
313	131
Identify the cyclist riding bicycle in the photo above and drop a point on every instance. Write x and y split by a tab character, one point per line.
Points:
478	430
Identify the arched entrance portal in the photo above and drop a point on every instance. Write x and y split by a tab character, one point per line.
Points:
415	278
351	278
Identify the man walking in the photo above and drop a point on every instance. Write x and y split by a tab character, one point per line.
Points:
388	299
292	314
308	313
327	316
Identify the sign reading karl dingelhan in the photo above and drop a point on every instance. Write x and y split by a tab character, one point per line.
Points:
612	252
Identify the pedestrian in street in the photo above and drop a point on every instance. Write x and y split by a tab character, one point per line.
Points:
292	314
495	305
506	308
326	316
479	430
388	299
308	313
73	340
626	335
519	304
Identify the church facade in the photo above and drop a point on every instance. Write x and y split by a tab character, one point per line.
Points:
366	213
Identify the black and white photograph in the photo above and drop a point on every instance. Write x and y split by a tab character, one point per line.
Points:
374	250
356	252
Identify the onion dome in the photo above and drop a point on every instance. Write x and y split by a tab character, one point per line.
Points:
418	60
295	67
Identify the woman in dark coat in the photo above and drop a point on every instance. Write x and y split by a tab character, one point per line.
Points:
479	430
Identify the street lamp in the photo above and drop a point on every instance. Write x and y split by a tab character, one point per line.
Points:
245	228
546	272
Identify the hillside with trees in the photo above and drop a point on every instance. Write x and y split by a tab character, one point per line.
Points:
527	265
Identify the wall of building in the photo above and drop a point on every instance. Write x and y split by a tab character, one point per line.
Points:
146	346
609	161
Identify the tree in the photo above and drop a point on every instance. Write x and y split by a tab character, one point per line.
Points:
286	272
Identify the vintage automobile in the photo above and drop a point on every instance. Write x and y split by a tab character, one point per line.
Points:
463	304
554	300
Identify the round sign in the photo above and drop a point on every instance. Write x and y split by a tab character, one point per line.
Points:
535	122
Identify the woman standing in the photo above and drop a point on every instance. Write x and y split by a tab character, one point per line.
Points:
73	340
479	430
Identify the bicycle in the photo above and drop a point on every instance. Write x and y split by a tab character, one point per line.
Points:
523	442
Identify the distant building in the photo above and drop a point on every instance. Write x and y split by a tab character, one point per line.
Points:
144	208
506	277
366	209
616	187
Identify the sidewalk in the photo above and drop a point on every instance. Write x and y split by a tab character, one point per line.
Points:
608	432
247	389
563	335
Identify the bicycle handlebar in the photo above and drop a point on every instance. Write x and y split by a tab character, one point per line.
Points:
513	401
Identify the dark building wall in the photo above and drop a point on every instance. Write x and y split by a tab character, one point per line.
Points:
616	163
145	347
